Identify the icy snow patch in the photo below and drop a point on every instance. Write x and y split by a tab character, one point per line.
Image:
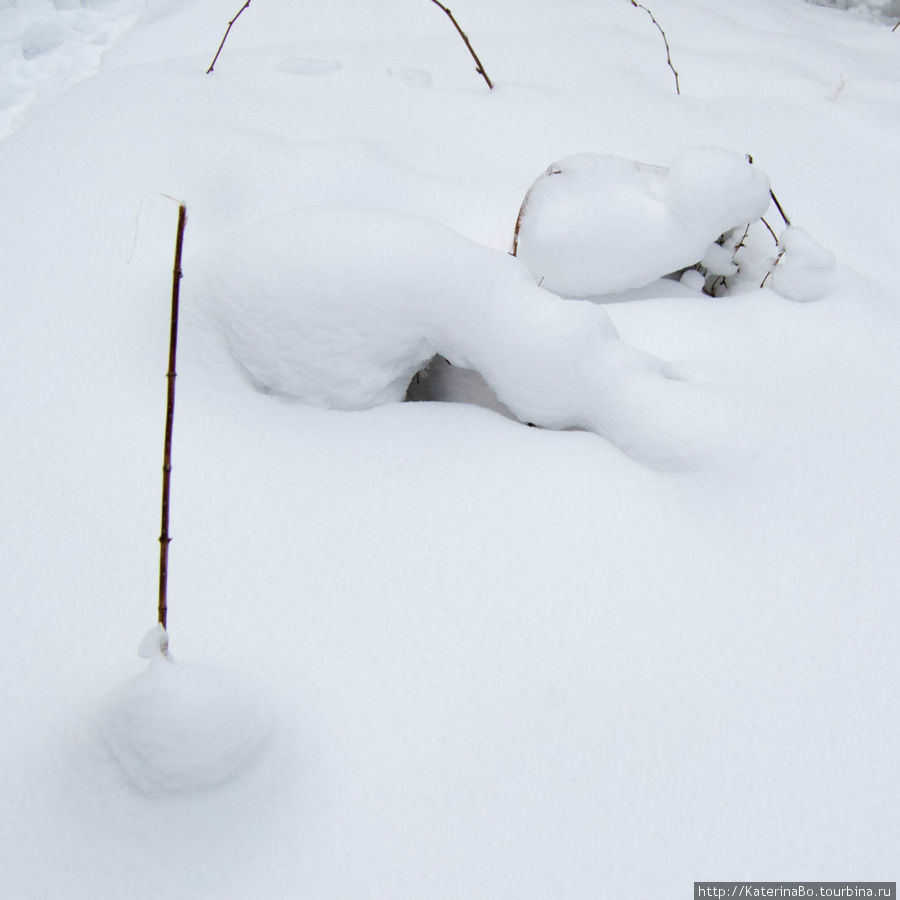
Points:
595	225
806	270
177	727
340	309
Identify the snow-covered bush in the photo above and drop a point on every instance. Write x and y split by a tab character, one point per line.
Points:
341	309
595	225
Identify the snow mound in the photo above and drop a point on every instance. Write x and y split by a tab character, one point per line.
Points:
341	309
806	270
177	728
599	224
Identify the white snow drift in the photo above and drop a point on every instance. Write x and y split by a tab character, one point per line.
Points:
349	329
599	224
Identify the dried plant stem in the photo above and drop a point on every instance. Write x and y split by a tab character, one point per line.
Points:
164	539
665	41
781	212
778	257
551	170
225	36
771	231
478	66
895	27
515	240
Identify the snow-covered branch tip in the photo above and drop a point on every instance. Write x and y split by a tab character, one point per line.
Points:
479	68
225	36
637	5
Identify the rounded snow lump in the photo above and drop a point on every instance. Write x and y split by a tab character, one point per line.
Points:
176	728
594	225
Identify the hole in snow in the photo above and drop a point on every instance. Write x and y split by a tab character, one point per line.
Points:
442	382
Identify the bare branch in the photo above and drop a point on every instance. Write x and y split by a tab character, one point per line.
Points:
778	257
164	539
478	66
665	41
771	231
225	36
781	212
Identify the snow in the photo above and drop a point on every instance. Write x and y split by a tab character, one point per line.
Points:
350	329
176	728
48	45
420	649
597	225
805	270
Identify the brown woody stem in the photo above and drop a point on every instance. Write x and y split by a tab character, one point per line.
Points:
665	41
478	66
225	36
164	539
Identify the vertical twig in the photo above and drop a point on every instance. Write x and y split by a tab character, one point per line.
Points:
164	539
225	36
478	66
665	41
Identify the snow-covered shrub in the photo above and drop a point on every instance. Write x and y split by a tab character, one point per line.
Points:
341	309
595	225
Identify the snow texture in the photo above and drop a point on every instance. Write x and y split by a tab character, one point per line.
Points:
595	225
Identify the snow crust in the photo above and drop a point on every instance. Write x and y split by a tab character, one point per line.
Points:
598	224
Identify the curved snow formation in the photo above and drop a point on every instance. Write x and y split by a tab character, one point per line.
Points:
341	309
594	225
176	728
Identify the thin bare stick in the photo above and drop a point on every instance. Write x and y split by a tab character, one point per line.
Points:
665	41
551	170
164	539
771	231
515	242
479	68
225	36
781	212
895	27
772	268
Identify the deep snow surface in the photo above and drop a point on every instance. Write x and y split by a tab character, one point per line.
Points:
423	650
